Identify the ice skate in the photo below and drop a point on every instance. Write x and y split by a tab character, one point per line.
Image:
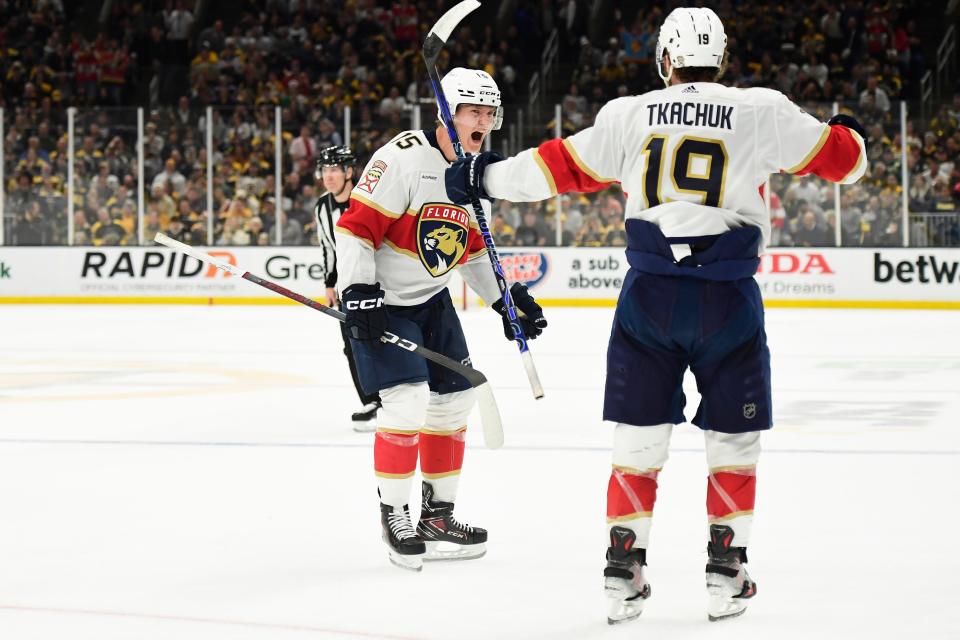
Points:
405	547
624	583
447	539
365	420
728	584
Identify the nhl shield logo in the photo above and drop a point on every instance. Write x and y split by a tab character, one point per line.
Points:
749	410
442	231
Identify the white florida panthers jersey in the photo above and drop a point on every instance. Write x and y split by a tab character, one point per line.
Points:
691	158
402	231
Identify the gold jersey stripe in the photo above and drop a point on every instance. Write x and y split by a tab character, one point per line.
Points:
630	516
734	468
434	432
546	172
347	232
412	431
403	252
731	516
394	476
813	152
636	472
860	159
374	205
583	165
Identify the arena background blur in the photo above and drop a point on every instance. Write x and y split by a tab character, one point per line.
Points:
233	100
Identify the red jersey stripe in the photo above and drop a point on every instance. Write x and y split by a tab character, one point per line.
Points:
566	171
366	221
838	155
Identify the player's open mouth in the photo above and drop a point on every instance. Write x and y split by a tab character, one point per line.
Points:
476	136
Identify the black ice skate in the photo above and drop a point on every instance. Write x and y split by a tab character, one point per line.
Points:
623	582
405	547
364	421
728	584
446	538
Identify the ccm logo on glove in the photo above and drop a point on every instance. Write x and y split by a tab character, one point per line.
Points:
366	315
364	304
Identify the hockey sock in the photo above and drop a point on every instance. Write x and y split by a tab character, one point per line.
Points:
441	457
631	494
730	497
396	443
395	460
638	455
732	483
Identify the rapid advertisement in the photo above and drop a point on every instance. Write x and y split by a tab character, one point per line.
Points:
905	278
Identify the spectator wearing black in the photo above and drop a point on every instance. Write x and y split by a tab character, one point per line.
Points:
31	229
811	232
531	232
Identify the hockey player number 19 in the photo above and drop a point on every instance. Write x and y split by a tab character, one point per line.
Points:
708	182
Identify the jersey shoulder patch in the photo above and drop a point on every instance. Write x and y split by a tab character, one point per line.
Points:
371	178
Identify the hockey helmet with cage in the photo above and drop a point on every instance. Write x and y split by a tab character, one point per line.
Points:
692	37
471	86
338	156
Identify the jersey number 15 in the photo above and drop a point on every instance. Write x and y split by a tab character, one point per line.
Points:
708	185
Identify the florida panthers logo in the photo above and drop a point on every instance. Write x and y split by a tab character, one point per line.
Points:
442	231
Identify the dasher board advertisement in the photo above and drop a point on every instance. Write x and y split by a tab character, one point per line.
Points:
574	276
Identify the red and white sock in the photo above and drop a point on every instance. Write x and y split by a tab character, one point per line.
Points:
639	454
441	458
732	483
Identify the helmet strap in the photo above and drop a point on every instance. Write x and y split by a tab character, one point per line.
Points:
664	77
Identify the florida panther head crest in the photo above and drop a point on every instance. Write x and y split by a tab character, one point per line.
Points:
442	237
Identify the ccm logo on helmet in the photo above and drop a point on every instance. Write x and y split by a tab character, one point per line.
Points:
364	305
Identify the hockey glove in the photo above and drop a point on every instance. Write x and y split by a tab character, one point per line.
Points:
464	178
529	313
366	315
850	122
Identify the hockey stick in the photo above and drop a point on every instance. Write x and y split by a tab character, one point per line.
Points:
431	51
486	403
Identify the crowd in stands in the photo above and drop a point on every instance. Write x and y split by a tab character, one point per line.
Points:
314	59
864	56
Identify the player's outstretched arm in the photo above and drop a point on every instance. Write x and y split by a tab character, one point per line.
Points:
835	150
587	161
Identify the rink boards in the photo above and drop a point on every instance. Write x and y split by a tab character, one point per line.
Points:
816	277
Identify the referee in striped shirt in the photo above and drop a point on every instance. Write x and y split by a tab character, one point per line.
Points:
335	169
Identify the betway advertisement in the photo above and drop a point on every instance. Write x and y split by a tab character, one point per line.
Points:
565	276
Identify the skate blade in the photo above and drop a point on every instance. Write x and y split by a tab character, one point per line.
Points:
624	603
722	604
410	563
447	551
365	427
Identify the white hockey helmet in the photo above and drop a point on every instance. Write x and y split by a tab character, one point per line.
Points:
471	86
692	37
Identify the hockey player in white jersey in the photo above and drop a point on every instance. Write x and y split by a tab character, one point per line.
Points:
398	244
692	158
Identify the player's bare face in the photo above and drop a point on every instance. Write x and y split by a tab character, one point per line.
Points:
473	123
334	179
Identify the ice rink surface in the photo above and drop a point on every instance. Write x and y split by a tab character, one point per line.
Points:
190	473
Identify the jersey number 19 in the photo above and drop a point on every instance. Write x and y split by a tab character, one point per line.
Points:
709	184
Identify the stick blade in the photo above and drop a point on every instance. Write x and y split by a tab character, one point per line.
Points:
489	417
444	26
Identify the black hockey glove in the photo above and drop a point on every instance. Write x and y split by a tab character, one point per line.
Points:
464	178
366	315
850	122
529	313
